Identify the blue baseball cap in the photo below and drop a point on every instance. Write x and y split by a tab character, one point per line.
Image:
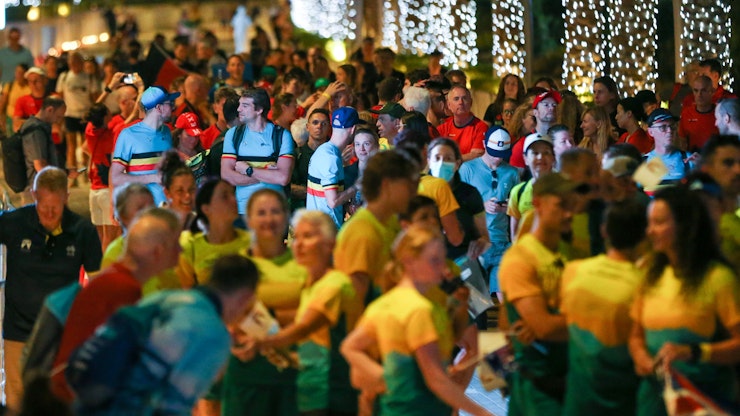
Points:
345	118
156	95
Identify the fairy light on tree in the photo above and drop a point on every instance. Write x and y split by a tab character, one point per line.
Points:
420	27
509	52
633	42
707	30
584	42
335	19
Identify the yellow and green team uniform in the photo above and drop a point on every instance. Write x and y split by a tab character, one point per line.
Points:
729	230
667	315
520	200
198	255
257	387
528	269
364	246
166	280
597	294
323	379
402	321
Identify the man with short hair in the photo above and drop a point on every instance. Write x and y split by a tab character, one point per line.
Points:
152	247
712	68
256	162
720	158
662	127
38	146
47	244
697	122
195	100
383	60
139	148
325	187
28	105
192	344
219	127
230	111
13	55
463	127
727	116
438	89
318	133
494	178
530	274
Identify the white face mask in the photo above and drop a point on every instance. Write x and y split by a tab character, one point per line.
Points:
442	170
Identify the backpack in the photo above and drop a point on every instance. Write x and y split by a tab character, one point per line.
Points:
14	161
100	366
277	136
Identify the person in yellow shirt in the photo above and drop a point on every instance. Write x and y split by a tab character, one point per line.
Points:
216	211
412	334
321	322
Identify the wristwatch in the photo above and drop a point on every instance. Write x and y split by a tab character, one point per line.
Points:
249	171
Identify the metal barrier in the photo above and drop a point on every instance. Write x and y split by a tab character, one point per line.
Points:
5	205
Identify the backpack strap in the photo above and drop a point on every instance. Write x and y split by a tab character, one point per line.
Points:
277	136
238	137
686	167
520	192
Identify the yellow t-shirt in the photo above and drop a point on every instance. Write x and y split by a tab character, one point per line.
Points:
330	296
198	255
439	190
519	206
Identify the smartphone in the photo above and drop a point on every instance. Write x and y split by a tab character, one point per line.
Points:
128	79
81	170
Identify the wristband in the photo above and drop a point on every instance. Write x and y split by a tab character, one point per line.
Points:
325	95
107	89
706	352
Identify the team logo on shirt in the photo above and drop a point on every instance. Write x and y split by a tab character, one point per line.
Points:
26	245
71	251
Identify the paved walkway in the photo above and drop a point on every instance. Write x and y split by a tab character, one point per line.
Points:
490	400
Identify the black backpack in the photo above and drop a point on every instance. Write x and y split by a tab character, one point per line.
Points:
99	367
14	161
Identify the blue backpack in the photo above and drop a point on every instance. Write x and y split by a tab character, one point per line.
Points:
99	367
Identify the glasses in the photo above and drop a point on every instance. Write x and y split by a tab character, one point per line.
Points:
663	128
494	182
509	112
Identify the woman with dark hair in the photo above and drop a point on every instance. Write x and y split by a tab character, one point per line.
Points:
444	160
606	96
179	187
215	210
511	87
347	74
366	144
414	121
687	314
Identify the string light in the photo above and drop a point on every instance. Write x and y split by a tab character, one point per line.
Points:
420	27
633	42
508	51
331	19
706	33
584	44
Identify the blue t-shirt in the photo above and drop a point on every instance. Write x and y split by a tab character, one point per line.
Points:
254	147
477	173
10	59
139	149
677	168
325	172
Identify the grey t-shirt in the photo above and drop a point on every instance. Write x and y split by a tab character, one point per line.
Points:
37	145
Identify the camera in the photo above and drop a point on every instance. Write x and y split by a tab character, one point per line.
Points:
128	79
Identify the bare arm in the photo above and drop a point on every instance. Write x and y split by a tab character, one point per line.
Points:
280	176
230	175
119	176
335	199
640	356
479	246
513	227
39	164
365	373
311	322
546	326
322	101
428	358
453	230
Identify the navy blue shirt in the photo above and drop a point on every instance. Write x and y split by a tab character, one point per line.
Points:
39	264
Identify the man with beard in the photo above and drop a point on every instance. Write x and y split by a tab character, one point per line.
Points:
139	148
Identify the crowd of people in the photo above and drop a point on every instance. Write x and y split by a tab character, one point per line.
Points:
341	203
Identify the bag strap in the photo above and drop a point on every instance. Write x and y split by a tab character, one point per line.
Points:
238	137
277	136
520	192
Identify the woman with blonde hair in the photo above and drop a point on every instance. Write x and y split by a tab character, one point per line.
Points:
412	334
597	131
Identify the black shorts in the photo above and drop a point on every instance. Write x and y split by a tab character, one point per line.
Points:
74	125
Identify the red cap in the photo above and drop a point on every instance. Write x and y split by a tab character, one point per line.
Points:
190	123
554	94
